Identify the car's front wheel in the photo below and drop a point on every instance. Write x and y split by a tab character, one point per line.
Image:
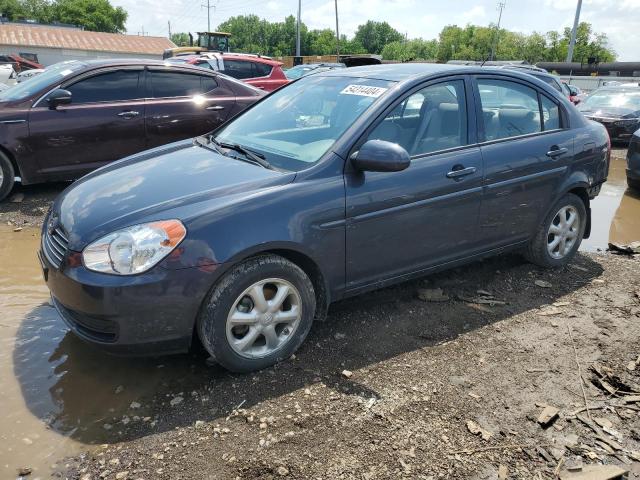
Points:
7	176
560	234
258	314
633	183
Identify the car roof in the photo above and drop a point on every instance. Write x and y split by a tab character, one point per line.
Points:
248	58
396	72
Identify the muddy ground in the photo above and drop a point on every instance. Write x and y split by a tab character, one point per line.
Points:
389	386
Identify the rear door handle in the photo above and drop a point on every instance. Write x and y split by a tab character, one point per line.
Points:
129	114
215	107
556	152
459	171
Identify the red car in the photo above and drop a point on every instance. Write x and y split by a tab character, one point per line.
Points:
20	64
261	72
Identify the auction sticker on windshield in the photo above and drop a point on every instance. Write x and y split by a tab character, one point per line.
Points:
363	90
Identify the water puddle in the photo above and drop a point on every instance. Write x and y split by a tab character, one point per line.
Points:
59	396
615	212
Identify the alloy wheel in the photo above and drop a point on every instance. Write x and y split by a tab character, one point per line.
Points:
563	232
264	318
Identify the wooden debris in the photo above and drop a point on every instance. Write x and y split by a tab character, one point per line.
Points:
548	415
594	472
476	429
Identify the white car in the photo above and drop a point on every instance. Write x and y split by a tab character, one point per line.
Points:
7	74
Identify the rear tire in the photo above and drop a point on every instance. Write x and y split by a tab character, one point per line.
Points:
635	184
258	314
560	234
7	176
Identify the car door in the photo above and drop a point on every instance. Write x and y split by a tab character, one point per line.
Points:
184	104
103	122
404	222
526	151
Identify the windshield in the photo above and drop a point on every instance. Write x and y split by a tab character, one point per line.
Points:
612	99
36	83
296	72
294	126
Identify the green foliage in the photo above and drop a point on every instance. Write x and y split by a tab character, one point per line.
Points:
416	49
250	34
373	36
181	39
95	15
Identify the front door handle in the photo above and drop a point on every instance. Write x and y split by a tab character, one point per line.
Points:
460	171
215	107
129	114
556	152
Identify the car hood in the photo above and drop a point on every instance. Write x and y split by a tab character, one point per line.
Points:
157	184
610	112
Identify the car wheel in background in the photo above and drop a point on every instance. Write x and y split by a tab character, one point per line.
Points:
7	176
560	234
635	184
258	314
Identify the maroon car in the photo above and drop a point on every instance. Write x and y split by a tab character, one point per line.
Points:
77	116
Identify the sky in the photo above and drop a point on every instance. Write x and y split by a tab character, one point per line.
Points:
619	19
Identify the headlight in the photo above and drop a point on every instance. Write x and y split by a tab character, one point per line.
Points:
134	249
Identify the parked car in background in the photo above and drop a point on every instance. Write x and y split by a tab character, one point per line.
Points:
633	161
19	64
7	74
260	72
541	74
617	108
575	94
77	116
25	74
309	68
241	238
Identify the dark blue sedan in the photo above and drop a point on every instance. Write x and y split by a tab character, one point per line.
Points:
341	182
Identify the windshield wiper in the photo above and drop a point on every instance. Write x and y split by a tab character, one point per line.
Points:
254	157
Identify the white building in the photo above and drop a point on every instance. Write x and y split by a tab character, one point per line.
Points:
53	44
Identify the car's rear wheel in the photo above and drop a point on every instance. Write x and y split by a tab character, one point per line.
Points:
258	314
560	234
7	176
635	184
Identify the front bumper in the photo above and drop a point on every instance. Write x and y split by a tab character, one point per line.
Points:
147	314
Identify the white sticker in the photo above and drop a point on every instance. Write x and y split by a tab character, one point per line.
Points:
64	73
363	90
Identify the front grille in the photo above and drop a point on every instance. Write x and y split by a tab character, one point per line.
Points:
55	246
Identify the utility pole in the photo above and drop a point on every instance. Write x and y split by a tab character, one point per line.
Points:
169	25
574	32
298	29
208	6
337	33
501	7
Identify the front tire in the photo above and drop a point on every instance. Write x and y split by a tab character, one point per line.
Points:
560	234
258	314
7	176
635	184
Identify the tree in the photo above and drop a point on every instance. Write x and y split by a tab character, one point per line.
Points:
181	39
373	36
95	15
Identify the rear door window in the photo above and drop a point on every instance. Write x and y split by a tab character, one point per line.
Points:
261	69
114	86
509	109
178	84
550	114
238	69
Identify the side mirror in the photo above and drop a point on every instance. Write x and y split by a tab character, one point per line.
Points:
381	156
58	97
